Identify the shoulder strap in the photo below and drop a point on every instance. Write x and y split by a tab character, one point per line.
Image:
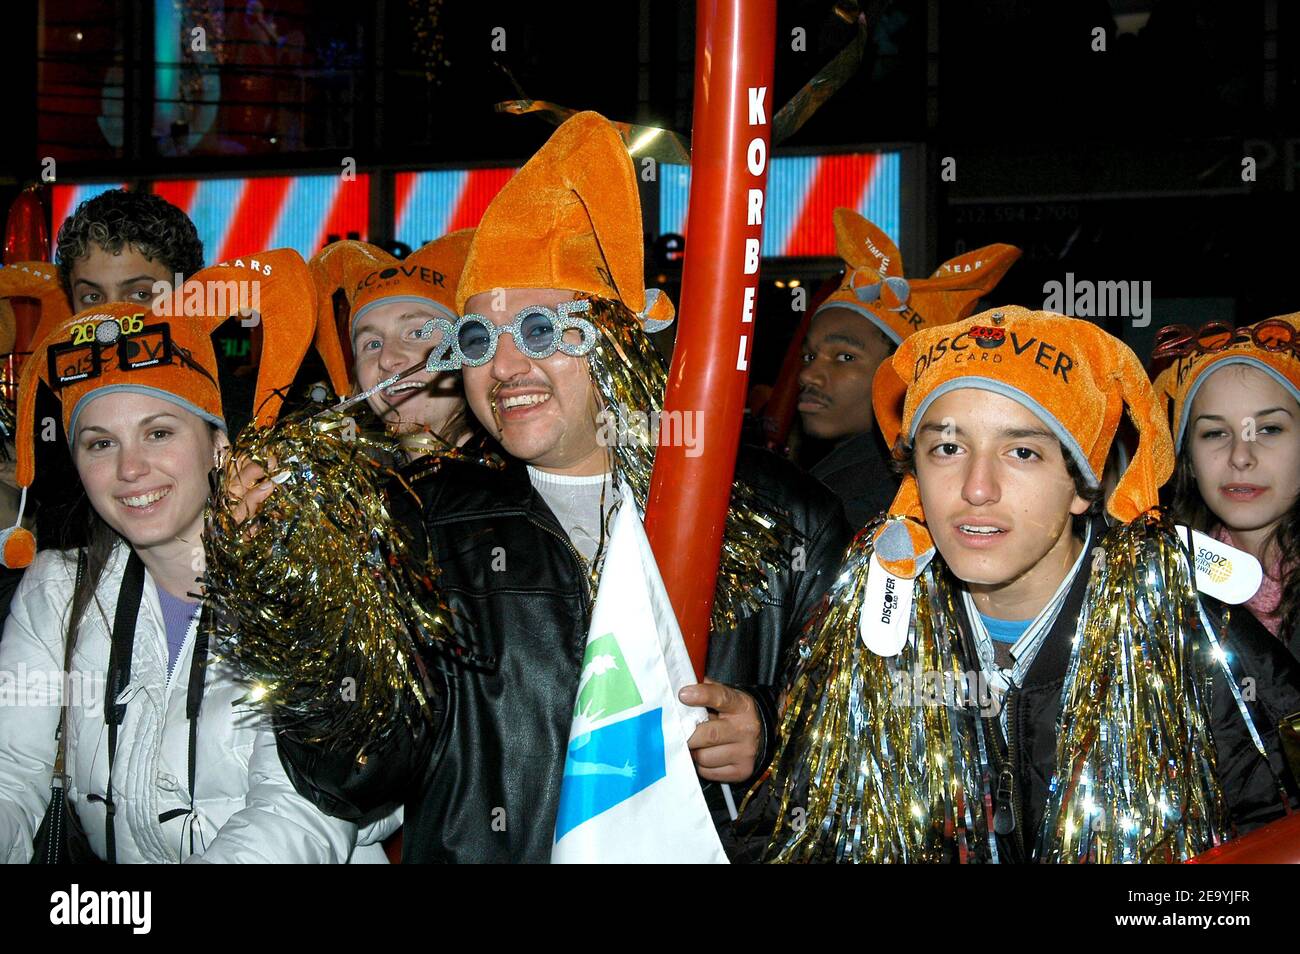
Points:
123	645
119	676
68	644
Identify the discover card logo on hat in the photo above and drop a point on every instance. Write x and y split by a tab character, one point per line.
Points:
369	276
1072	375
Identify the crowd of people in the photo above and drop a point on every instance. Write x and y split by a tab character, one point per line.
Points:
979	475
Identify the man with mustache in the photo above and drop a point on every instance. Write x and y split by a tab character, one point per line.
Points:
874	310
553	338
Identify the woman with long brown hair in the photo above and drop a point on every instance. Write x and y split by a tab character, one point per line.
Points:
122	726
1236	425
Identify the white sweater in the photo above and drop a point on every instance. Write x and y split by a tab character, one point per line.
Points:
245	808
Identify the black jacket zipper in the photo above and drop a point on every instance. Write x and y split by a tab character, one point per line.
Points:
577	559
1007	820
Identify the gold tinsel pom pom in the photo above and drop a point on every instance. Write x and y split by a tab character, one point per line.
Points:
878	761
326	609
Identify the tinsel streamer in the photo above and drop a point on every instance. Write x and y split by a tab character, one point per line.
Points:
1135	778
790	118
427	40
879	758
325	609
630	376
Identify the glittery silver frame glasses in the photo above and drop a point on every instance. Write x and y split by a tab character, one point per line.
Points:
448	353
538	332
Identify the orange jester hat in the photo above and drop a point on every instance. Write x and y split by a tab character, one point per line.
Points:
875	288
369	276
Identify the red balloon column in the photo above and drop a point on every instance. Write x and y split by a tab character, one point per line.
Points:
26	238
734	53
1277	843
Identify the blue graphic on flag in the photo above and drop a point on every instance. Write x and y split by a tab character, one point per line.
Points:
609	765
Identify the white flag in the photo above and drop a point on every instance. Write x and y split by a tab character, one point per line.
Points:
630	792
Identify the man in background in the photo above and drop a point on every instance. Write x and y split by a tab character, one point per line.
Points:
872	312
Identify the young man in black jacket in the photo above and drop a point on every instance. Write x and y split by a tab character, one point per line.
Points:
1061	691
555	352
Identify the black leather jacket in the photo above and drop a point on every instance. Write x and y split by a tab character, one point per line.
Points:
1248	784
484	784
857	471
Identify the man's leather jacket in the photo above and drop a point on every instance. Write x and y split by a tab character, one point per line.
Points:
483	784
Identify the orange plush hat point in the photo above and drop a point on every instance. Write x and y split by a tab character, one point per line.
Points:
1271	346
37	280
569	219
369	276
165	349
875	288
1072	375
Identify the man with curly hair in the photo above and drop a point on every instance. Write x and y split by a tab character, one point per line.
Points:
116	245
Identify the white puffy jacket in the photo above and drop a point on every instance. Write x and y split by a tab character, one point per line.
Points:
247	811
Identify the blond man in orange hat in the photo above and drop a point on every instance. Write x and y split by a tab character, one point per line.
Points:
389	302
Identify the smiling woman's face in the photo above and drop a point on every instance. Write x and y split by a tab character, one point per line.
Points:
144	463
1243	435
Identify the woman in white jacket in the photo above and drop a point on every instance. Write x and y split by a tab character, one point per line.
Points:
194	772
